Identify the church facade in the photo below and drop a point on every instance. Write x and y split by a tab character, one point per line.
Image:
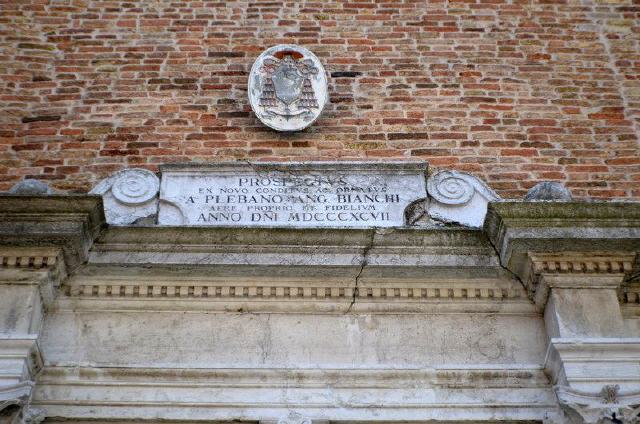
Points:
320	212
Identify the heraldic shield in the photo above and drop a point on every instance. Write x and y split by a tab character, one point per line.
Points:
287	81
287	88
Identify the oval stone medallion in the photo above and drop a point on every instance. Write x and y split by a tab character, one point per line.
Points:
287	87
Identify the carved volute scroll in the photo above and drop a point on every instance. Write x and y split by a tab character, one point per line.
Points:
458	197
129	195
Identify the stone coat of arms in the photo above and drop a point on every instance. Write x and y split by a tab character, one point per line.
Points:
287	88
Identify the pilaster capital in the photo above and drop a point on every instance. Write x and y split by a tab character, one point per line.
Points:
44	267
609	406
14	404
574	270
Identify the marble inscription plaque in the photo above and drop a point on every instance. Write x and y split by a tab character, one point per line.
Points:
308	194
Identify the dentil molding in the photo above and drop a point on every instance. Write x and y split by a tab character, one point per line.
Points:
588	270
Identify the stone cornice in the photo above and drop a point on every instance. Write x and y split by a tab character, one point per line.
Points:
32	258
581	263
630	296
518	228
68	221
514	228
305	295
308	270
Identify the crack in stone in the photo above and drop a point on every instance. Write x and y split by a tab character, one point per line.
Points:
363	263
514	275
410	211
439	221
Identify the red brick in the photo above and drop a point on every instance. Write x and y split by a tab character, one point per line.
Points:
430	85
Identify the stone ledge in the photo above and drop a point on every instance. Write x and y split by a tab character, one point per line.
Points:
20	358
486	393
71	222
522	376
517	228
587	363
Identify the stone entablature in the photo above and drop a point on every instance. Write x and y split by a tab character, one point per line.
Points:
396	324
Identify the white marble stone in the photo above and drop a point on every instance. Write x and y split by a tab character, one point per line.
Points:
294	418
289	340
588	363
129	195
322	395
458	197
307	194
287	87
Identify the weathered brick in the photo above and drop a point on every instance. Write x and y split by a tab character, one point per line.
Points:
83	96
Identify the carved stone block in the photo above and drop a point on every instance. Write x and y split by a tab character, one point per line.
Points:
297	194
129	195
287	88
458	197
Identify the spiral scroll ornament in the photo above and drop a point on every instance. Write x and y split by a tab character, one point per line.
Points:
450	188
135	186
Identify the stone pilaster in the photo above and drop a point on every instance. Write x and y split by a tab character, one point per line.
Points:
29	278
588	342
578	291
572	261
40	237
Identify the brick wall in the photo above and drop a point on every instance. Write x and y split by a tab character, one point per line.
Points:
512	91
